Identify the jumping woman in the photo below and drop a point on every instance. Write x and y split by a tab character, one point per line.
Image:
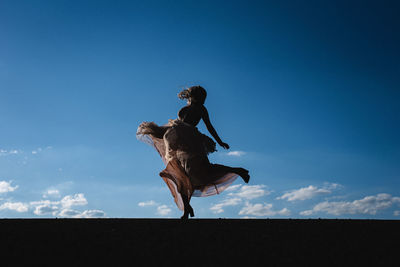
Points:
185	150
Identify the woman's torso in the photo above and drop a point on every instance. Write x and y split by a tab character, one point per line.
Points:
191	114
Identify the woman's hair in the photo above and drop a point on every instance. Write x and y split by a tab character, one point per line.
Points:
196	93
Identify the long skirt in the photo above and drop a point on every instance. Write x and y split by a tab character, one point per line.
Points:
184	151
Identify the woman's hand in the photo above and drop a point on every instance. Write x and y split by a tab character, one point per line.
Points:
224	145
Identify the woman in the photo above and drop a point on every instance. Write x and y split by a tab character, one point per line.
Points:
184	151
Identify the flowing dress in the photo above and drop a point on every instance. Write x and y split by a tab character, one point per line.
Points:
184	151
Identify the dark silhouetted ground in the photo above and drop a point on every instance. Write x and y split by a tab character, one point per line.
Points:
199	242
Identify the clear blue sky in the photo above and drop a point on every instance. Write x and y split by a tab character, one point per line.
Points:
306	93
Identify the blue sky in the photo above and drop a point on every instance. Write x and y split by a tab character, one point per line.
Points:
305	93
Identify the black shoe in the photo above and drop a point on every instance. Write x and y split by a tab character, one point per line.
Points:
188	211
191	212
245	175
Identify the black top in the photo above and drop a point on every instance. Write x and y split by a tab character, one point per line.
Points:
191	114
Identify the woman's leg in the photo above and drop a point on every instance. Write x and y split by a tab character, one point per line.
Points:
176	173
218	170
188	210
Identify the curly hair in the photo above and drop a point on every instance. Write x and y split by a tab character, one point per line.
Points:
196	93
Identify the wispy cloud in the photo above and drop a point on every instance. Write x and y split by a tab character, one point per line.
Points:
8	152
308	192
74	200
34	152
6	187
39	150
236	153
69	213
52	193
82	214
233	187
250	191
54	207
16	206
4	152
62	208
163	210
238	194
93	214
367	205
147	203
45	208
218	208
260	209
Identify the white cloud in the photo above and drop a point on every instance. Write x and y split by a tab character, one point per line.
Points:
93	214
250	191
238	193
53	193
218	208
147	203
38	150
284	212
396	213
265	209
70	213
367	205
75	200
45	209
44	202
306	212
54	207
332	186
308	192
62	208
17	206
6	187
4	152
236	153
163	210
233	187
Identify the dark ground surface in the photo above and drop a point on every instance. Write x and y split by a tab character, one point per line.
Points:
199	242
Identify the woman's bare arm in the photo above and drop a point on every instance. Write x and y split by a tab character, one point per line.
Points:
210	128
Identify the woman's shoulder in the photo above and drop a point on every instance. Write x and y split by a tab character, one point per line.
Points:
203	110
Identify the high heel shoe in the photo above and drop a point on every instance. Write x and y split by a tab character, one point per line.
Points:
185	216
191	211
188	211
